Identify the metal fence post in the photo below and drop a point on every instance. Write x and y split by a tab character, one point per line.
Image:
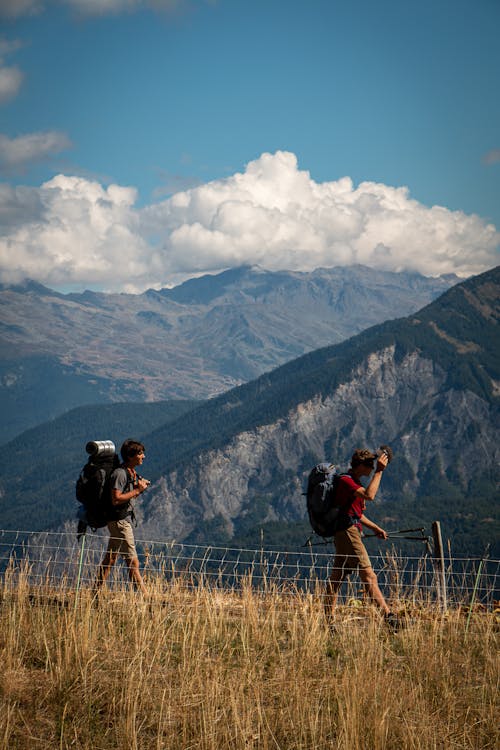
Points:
80	564
476	585
438	563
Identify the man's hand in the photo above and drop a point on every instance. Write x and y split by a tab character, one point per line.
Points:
142	484
380	533
382	461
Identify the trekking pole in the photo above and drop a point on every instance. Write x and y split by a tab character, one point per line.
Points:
80	565
398	534
308	542
476	584
390	535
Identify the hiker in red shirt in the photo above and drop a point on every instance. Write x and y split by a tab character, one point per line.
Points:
350	552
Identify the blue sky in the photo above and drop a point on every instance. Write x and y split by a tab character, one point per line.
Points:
185	137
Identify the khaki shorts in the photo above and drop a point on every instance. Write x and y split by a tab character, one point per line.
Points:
121	538
350	552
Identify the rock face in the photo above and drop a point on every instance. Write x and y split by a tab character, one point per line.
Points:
427	385
194	341
402	403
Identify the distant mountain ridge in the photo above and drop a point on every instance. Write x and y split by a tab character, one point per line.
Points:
232	466
59	351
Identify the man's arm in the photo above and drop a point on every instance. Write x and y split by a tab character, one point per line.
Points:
373	526
118	497
372	489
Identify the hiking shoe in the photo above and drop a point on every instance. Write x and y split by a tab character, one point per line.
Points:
333	629
394	622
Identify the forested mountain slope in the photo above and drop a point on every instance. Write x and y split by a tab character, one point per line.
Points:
427	384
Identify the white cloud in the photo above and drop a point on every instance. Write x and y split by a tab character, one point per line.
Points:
7	46
16	8
492	157
11	79
102	7
19	206
274	214
172	5
105	7
17	153
12	9
74	232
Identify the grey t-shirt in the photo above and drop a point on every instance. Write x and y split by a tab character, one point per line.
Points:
122	481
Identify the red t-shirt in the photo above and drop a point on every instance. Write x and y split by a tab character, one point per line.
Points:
353	505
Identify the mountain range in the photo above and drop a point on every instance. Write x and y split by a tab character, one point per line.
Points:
197	340
233	467
427	384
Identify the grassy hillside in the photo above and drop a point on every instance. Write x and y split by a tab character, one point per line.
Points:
212	670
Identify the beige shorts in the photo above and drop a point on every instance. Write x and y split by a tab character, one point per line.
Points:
121	538
350	552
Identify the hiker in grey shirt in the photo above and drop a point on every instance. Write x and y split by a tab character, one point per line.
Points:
125	485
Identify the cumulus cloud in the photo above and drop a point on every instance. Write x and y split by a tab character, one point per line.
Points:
105	7
102	7
11	77
72	232
275	215
17	153
12	9
492	157
75	232
16	8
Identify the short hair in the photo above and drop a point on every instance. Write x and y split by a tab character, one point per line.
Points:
362	456
131	448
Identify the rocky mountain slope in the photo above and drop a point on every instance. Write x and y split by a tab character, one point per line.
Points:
197	340
428	384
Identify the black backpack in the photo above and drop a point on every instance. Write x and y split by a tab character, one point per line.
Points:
322	505
92	486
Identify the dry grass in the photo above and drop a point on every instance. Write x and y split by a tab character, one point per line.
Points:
209	670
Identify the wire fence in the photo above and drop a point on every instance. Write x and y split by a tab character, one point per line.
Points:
60	560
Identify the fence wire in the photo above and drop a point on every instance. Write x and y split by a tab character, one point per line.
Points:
60	559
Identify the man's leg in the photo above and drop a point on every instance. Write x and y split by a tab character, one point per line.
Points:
370	582
134	573
129	553
345	561
107	563
333	585
349	543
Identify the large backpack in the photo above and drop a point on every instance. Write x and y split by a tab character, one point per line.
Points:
92	486
322	505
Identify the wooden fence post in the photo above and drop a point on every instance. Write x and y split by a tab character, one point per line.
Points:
439	565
